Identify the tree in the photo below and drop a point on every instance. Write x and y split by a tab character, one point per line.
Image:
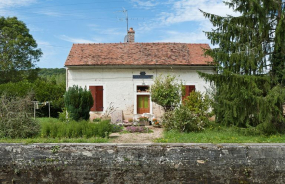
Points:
250	63
166	91
16	118
18	51
78	102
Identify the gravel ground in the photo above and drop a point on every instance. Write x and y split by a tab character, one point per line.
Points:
137	137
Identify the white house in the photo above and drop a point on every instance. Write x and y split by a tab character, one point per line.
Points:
120	74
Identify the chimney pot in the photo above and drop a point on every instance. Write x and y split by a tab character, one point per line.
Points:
131	35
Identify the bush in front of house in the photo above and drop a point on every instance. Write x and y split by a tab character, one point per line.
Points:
182	119
78	102
16	118
191	116
166	92
75	129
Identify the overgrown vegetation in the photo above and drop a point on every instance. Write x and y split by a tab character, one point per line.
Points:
53	128
192	115
166	92
250	64
43	91
16	118
78	102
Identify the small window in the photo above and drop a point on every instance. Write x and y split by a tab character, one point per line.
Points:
142	89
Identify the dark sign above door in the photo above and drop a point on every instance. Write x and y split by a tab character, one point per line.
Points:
142	76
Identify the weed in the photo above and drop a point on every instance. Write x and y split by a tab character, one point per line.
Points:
55	149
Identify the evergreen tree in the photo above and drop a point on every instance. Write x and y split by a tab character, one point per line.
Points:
250	63
78	102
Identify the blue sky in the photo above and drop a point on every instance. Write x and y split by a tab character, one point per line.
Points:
57	24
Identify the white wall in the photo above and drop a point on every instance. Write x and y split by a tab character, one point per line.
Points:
120	87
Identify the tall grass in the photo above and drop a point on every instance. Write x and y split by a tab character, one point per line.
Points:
53	128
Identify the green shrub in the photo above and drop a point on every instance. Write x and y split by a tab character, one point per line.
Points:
192	115
96	119
182	119
16	118
166	91
78	102
199	104
117	128
74	129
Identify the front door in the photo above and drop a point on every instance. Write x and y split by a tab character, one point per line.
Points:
143	104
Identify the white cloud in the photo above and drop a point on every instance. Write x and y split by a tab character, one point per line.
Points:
184	37
13	3
186	11
49	13
76	40
144	4
5	6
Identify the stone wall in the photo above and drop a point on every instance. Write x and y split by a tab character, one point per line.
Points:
142	163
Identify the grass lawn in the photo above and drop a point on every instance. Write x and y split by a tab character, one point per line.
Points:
219	134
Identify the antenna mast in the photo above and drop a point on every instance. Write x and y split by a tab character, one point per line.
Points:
127	18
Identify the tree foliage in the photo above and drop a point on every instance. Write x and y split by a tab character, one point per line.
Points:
191	116
78	102
18	51
43	91
16	118
250	63
166	91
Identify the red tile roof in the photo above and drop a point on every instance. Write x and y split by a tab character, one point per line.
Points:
137	54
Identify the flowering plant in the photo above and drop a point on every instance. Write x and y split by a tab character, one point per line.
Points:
138	129
142	118
156	123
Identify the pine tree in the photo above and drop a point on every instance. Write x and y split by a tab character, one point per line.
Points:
250	63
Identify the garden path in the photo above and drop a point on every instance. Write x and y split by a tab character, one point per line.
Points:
137	137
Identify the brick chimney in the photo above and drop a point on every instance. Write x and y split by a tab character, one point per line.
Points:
131	35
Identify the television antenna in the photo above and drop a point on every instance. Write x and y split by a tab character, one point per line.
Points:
126	18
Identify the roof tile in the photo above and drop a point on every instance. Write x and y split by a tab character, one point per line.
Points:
138	54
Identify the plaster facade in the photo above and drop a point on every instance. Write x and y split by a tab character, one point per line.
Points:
120	88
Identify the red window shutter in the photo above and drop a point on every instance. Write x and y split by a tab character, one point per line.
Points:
191	88
188	90
97	94
92	90
99	98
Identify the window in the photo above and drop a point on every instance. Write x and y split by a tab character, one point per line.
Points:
142	89
188	90
97	94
